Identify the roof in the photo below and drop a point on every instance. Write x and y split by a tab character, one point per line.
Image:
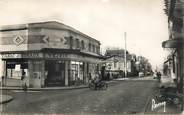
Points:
119	52
173	7
169	6
48	25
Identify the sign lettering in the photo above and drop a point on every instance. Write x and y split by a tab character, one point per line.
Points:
57	56
11	56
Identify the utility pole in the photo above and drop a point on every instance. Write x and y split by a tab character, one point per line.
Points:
125	60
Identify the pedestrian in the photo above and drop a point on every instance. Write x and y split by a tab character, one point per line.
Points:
24	85
159	76
108	76
96	80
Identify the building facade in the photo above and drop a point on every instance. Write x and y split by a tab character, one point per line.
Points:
175	44
47	54
115	62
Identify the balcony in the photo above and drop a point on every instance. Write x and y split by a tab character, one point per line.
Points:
172	43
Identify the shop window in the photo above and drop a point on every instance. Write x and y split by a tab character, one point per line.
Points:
9	73
76	76
16	69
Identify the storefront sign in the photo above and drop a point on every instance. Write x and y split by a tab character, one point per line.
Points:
55	55
4	56
32	55
27	55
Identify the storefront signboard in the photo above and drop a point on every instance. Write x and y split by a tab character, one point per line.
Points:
32	55
7	56
21	55
56	55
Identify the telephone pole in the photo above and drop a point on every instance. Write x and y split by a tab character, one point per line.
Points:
125	60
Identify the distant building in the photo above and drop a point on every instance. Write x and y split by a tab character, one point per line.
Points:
115	62
47	54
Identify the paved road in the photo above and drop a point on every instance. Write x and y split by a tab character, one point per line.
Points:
123	97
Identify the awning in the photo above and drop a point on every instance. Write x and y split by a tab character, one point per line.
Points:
173	43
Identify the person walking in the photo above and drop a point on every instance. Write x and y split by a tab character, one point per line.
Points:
159	76
24	85
96	80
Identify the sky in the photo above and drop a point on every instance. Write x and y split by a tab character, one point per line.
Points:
143	21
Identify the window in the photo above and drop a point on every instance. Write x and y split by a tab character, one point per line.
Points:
16	69
96	49
77	72
177	25
115	64
71	42
82	44
93	46
77	43
89	47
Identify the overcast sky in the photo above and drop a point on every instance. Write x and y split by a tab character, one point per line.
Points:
144	21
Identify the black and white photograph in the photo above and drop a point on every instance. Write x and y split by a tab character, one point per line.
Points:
91	57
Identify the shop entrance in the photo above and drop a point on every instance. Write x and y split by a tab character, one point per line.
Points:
55	71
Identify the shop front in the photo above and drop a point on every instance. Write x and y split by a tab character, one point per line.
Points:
45	54
46	69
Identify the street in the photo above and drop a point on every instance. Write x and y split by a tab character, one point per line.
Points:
128	96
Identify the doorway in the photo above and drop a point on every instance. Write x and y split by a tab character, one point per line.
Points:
55	73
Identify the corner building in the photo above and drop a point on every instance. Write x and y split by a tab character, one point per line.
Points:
47	54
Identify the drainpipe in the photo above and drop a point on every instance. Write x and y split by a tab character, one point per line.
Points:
180	74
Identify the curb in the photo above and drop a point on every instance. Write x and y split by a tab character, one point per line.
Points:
111	83
44	89
10	98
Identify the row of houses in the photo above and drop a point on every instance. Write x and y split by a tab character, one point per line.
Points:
54	54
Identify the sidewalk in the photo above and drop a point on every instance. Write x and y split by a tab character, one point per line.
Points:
53	88
135	78
121	79
5	98
45	88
